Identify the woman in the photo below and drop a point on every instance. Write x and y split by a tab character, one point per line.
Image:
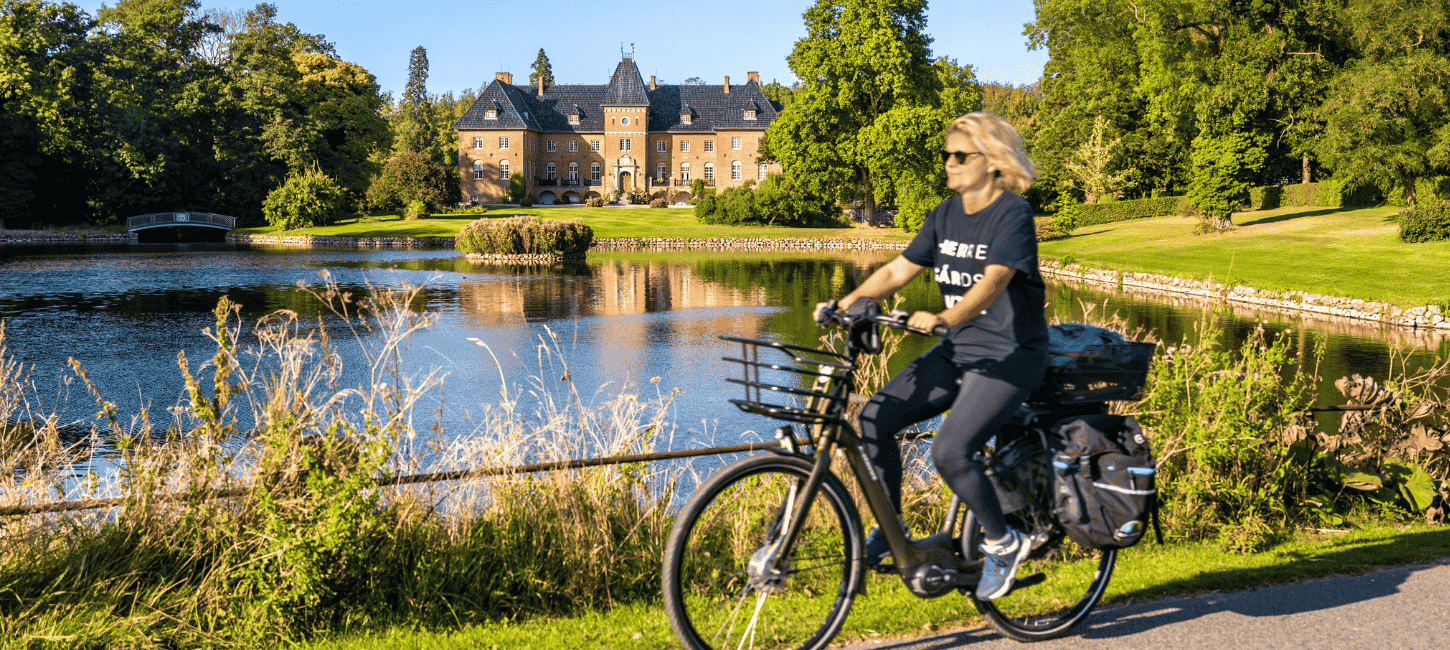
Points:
982	248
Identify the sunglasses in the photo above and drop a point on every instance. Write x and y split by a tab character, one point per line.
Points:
961	156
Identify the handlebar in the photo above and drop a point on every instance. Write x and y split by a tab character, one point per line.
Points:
895	320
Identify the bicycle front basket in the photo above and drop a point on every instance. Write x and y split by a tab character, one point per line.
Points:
1097	373
778	382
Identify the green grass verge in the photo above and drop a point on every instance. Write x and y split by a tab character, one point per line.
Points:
606	222
1349	252
1146	572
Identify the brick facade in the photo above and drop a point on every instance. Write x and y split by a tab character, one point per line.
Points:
628	119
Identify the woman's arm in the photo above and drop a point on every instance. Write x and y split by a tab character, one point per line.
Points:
884	282
982	294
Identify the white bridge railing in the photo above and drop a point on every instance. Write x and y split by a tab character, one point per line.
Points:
156	219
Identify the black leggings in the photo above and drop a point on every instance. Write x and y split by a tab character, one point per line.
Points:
981	395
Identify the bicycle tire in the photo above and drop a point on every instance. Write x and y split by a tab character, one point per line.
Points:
1041	611
710	598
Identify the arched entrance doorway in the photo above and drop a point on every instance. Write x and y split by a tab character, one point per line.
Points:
626	182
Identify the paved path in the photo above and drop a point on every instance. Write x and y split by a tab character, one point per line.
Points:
1404	608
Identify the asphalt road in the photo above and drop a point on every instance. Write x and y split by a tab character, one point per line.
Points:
1403	608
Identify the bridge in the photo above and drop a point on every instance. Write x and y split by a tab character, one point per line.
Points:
170	219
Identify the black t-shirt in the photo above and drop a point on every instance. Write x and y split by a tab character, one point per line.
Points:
959	246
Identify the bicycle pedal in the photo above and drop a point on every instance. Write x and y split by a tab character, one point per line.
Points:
1030	581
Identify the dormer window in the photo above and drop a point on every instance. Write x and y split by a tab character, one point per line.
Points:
574	114
749	113
573	119
684	118
490	114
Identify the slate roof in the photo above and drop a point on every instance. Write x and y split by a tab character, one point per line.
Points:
626	87
522	108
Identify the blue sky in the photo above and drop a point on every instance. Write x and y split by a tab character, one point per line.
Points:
468	41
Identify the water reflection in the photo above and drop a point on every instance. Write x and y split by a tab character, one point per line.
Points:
618	317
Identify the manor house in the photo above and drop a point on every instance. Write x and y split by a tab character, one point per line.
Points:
573	141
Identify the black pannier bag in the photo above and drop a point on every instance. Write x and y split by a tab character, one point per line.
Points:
1103	481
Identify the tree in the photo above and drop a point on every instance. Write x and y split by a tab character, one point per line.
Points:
414	127
542	68
778	94
410	176
1387	114
1089	165
694	81
859	60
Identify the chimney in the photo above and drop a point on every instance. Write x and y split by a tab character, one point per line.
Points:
727	83
754	77
651	82
506	77
541	85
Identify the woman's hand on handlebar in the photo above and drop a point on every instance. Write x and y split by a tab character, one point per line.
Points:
926	321
838	307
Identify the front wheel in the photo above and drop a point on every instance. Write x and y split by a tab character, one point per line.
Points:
1062	582
719	594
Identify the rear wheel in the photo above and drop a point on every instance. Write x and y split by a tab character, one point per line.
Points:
1059	584
718	592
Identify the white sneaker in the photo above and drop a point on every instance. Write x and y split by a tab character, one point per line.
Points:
999	566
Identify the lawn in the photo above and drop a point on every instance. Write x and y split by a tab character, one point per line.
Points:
1145	572
606	222
1349	252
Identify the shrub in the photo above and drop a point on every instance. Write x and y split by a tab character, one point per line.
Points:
1092	214
416	210
517	190
1428	221
1265	198
1222	166
527	201
697	188
1330	193
1048	230
594	202
305	200
524	236
410	176
775	202
658	203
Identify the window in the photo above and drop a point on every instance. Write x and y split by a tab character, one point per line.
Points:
661	147
624	121
503	142
709	146
684	146
503	170
660	171
478	143
573	119
594	146
684	118
574	171
709	171
749	113
552	146
736	143
573	146
762	173
735	171
594	171
551	171
684	171
490	114
624	144
478	170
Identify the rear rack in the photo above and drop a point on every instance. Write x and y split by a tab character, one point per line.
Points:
775	379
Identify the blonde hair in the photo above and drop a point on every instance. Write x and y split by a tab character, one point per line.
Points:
999	142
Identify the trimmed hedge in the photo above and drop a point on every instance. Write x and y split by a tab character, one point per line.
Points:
1428	221
1329	194
1092	214
524	236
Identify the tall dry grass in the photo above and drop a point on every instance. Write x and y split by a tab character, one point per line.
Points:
315	542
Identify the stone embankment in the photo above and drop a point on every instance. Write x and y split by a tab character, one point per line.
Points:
319	241
743	244
1428	316
65	237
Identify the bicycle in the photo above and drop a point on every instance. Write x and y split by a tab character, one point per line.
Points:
769	551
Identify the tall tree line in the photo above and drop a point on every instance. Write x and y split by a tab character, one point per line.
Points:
156	105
